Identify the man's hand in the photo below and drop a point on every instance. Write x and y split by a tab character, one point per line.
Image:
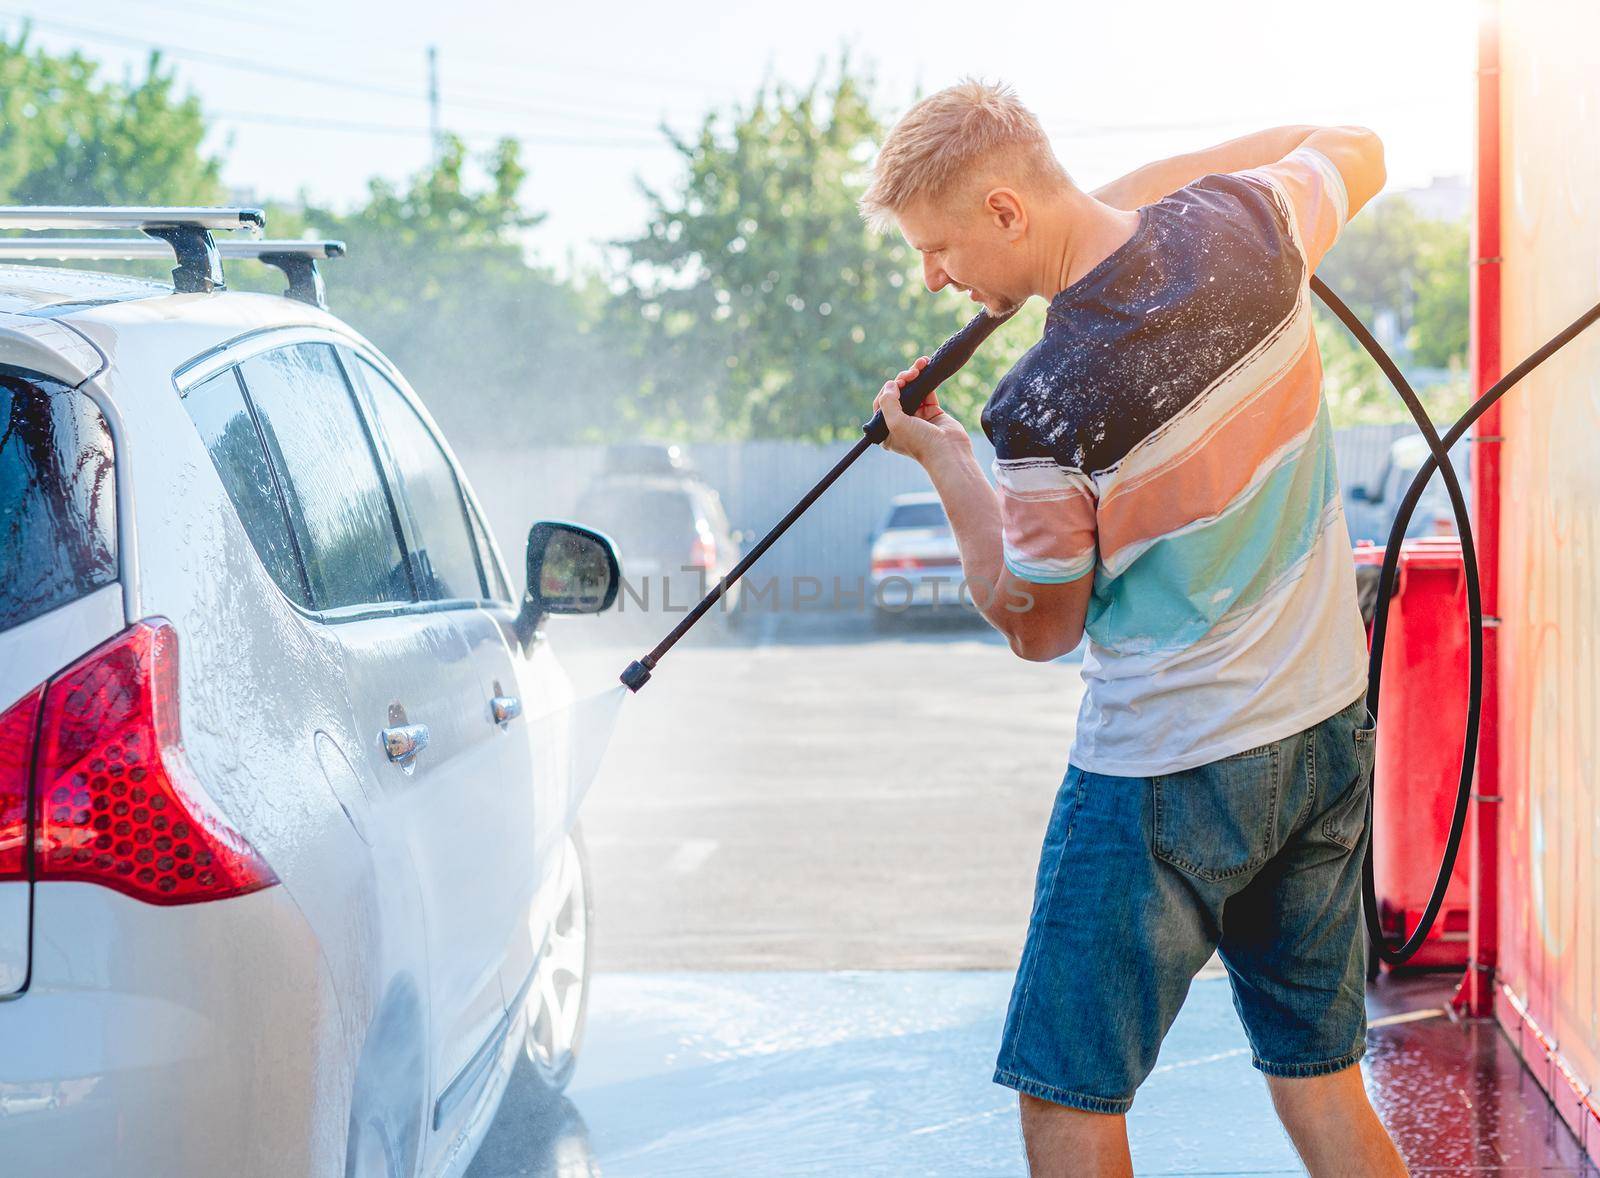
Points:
921	434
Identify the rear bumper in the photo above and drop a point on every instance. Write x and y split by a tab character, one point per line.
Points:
932	588
196	1040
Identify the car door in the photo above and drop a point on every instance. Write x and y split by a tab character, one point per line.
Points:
454	569
412	683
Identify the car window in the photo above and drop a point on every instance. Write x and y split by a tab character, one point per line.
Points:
645	522
442	545
218	410
918	515
338	505
58	484
498	588
711	507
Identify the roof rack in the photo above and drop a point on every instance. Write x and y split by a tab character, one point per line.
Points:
297	259
187	229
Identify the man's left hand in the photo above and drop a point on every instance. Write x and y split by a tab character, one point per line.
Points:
920	434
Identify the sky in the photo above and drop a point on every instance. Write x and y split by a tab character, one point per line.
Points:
317	96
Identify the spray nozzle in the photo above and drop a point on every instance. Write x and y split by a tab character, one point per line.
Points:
636	676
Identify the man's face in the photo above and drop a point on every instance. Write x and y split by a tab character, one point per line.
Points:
976	251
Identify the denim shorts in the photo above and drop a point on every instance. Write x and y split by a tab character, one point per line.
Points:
1256	856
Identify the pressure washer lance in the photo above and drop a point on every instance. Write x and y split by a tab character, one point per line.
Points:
944	364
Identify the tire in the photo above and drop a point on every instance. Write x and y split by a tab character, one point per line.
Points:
558	1006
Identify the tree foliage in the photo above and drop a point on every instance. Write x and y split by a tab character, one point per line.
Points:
1405	275
757	302
437	278
69	137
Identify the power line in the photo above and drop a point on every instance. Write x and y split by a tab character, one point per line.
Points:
344	126
1080	130
232	61
277	22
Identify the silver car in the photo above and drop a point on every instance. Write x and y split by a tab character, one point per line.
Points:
289	870
915	565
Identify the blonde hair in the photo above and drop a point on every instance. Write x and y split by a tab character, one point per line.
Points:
941	139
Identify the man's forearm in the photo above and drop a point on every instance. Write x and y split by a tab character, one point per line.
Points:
1153	181
974	510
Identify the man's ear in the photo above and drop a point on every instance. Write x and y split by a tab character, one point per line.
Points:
1006	212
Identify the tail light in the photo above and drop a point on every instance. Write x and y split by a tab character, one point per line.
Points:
115	800
889	564
703	552
17	727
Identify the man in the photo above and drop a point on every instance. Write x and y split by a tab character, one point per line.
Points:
1165	485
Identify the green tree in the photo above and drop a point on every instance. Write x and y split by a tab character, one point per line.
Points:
1392	263
68	137
436	276
757	303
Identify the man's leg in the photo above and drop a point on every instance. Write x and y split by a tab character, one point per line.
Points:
1114	939
1063	1142
1333	1126
1295	949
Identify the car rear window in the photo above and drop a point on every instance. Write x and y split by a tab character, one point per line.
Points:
643	522
918	515
58	482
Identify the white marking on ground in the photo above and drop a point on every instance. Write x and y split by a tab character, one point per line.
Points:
1409	1016
691	855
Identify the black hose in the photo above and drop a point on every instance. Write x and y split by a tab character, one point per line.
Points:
1380	623
1438	459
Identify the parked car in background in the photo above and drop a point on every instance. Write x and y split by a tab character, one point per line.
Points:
915	566
671	531
1371	508
289	876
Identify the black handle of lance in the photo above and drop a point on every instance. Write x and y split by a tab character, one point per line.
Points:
942	365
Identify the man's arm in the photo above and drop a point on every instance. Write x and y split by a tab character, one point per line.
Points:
1355	151
1041	622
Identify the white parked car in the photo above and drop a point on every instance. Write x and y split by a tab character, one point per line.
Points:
289	873
915	564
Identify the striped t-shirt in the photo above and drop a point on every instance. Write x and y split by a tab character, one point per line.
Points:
1169	436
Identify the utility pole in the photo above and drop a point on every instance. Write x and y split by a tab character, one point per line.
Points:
433	101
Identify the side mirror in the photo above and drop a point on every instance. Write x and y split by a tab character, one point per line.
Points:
571	570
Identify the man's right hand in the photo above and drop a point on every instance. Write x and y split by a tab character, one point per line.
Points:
915	435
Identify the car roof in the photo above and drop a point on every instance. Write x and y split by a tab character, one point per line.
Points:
30	289
682	484
915	497
131	321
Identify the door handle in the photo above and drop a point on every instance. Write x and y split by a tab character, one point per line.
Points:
403	742
506	708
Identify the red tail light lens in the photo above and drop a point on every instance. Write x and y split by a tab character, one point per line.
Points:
703	553
16	766
116	802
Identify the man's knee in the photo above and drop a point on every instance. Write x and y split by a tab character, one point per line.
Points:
1063	1141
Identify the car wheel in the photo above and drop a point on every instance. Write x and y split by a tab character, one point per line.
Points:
559	1002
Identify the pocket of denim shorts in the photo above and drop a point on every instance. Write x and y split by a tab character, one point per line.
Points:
1347	818
1218	820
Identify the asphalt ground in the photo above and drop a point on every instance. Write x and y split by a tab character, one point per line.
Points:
807	793
813	849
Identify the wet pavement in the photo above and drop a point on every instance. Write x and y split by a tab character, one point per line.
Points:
887	1073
